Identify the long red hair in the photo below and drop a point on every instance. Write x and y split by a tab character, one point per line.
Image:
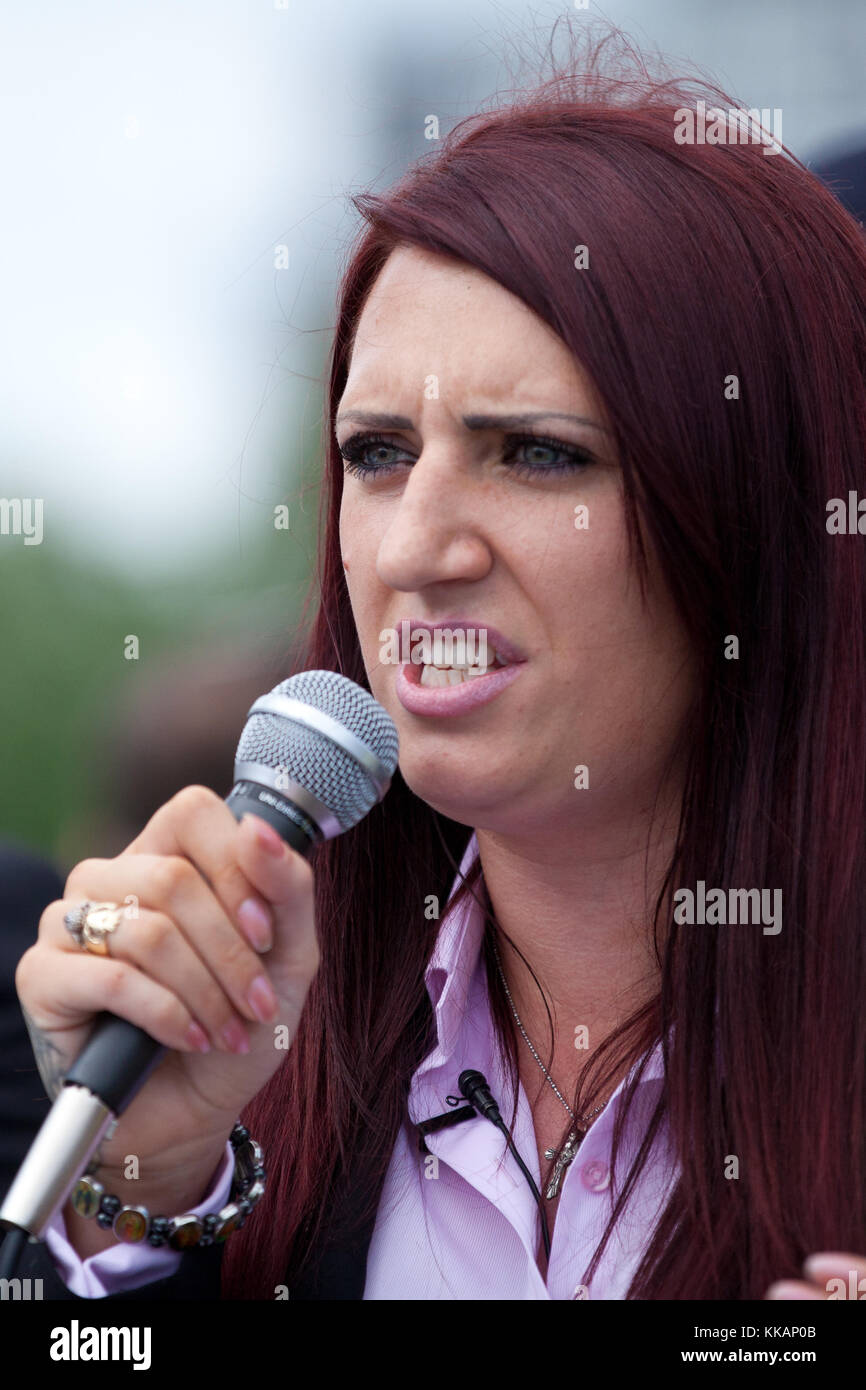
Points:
706	263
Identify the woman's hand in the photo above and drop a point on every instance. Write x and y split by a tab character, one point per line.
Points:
828	1276
220	906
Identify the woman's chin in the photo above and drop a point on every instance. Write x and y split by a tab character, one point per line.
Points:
460	794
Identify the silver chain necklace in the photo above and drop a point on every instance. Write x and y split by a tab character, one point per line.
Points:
564	1155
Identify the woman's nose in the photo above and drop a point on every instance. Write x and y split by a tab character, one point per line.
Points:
437	532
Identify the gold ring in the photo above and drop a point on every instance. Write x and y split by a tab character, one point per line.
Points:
98	922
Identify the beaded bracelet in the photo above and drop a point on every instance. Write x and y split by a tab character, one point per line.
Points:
133	1224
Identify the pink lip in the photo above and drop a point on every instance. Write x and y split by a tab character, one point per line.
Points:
450	699
438	701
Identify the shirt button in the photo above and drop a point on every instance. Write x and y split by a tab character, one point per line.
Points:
595	1176
581	1291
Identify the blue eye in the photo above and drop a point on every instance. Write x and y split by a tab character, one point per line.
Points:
354	449
570	456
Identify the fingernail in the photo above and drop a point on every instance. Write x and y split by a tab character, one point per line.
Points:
197	1038
268	837
255	922
234	1036
261	999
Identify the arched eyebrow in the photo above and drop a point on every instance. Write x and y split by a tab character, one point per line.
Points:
379	420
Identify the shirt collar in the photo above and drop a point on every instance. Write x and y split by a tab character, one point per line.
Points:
455	958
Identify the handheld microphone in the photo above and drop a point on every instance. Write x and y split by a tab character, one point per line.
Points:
316	754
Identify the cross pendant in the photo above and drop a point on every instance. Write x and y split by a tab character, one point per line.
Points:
569	1149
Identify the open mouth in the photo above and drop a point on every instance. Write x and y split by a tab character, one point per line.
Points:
449	690
453	673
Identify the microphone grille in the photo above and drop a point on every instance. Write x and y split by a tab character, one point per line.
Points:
312	759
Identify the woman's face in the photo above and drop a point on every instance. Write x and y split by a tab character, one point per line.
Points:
463	521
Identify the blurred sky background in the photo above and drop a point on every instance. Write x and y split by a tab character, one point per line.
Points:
160	380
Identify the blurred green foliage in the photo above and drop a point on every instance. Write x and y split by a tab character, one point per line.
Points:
63	623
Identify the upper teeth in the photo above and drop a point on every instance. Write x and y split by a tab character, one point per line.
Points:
456	673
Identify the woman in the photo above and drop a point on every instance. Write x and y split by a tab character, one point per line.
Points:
681	328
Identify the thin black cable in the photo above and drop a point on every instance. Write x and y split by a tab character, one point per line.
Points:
545	1233
473	1087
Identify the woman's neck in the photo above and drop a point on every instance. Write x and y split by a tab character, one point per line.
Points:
581	914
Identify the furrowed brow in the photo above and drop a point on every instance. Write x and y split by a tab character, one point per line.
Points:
383	421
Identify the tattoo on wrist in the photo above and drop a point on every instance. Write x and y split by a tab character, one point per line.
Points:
49	1059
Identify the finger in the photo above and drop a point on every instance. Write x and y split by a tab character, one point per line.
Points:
833	1262
152	943
198	825
95	983
173	886
826	1265
793	1289
285	878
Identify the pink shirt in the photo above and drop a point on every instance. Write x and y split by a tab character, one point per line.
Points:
461	1222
